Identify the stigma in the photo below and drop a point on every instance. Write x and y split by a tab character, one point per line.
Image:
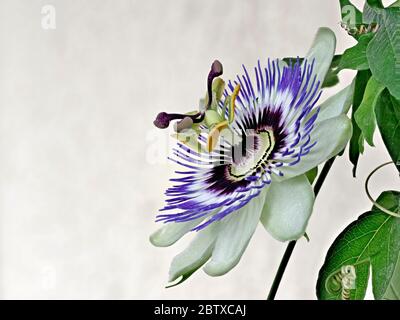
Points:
164	119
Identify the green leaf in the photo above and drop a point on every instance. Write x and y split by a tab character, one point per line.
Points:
361	143
383	51
372	241
361	81
370	14
365	114
375	3
395	4
387	112
392	290
355	57
312	174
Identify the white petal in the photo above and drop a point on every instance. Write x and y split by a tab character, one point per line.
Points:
234	235
322	50
171	232
196	254
331	135
337	104
288	206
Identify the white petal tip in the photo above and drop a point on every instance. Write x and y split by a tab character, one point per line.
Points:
217	269
157	239
322	51
288	208
327	37
289	232
172	277
279	235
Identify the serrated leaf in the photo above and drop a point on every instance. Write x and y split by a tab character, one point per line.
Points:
372	241
356	57
361	81
370	14
387	112
365	114
383	51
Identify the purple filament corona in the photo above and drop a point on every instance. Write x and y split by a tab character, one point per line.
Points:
279	100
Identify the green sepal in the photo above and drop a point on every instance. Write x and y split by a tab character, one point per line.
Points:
312	174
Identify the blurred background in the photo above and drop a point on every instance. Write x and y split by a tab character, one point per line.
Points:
83	171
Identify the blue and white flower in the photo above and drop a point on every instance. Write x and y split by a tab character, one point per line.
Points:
254	142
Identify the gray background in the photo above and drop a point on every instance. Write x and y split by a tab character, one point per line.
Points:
80	180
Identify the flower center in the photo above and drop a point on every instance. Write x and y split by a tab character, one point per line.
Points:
251	156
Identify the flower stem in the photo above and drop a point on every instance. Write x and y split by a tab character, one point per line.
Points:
290	247
281	269
324	172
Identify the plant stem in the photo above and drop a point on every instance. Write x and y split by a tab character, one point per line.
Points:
281	269
290	247
324	172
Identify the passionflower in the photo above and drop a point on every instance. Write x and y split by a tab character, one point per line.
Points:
244	155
